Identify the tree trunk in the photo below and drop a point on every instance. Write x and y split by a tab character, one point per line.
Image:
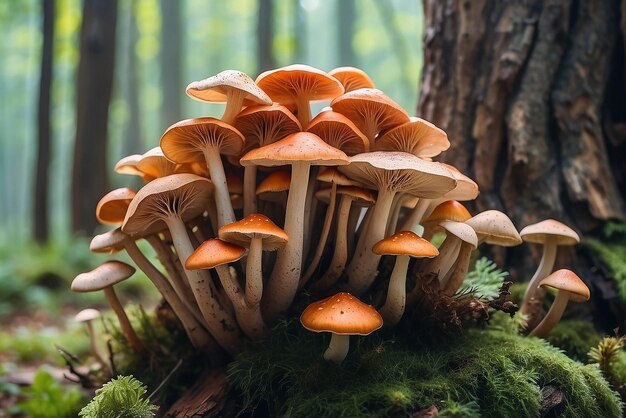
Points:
265	36
171	67
132	142
346	15
95	79
530	93
41	231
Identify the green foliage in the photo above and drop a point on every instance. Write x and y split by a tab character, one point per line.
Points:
491	373
485	279
575	338
47	398
455	409
607	355
120	397
27	344
612	251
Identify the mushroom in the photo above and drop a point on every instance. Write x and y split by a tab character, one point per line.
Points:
404	245
418	137
262	125
235	88
339	131
104	277
175	200
371	111
185	310
494	227
300	150
550	234
299	84
192	139
388	172
352	78
569	287
87	316
450	210
111	209
215	253
342	315
128	166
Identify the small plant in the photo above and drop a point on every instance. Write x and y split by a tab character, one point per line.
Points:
485	279
123	396
47	398
606	355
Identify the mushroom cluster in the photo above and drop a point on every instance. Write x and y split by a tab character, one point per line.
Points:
246	212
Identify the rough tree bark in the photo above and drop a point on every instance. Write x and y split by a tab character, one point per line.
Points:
95	79
531	95
41	230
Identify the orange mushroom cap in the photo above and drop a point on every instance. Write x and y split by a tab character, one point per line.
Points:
405	243
352	78
111	209
212	253
254	226
341	314
450	210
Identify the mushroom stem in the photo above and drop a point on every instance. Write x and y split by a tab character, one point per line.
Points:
321	244
304	111
393	309
396	207
460	270
234	103
363	267
225	213
249	188
340	256
95	351
125	325
552	317
543	270
285	277
444	261
338	348
254	272
220	323
196	333
416	216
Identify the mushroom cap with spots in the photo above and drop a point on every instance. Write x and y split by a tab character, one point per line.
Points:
212	253
540	232
341	314
215	88
352	78
111	209
566	280
105	275
496	228
254	226
405	243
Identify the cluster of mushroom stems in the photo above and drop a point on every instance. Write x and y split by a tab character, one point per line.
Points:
245	211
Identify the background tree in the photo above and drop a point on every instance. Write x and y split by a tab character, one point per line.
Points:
40	221
94	85
172	50
265	36
531	93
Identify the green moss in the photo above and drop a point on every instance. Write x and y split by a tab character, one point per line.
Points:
612	251
496	373
575	338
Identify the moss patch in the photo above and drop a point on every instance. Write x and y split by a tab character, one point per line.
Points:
497	373
576	338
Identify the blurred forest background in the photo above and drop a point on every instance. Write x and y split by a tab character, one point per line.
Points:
157	47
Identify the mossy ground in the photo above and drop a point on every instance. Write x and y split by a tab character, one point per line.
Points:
490	373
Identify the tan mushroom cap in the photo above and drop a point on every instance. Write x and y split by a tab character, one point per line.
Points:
278	181
108	242
254	226
111	209
567	281
262	125
184	141
462	231
400	171
128	165
466	188
212	253
405	243
105	275
215	88
88	314
341	314
538	233
496	227
450	210
418	137
297	147
339	131
285	85
370	110
352	78
182	195
332	175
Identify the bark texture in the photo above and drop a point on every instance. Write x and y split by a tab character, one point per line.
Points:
531	93
95	80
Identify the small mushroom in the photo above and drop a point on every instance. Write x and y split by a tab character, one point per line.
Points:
87	316
495	228
104	277
342	315
352	78
569	287
404	245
